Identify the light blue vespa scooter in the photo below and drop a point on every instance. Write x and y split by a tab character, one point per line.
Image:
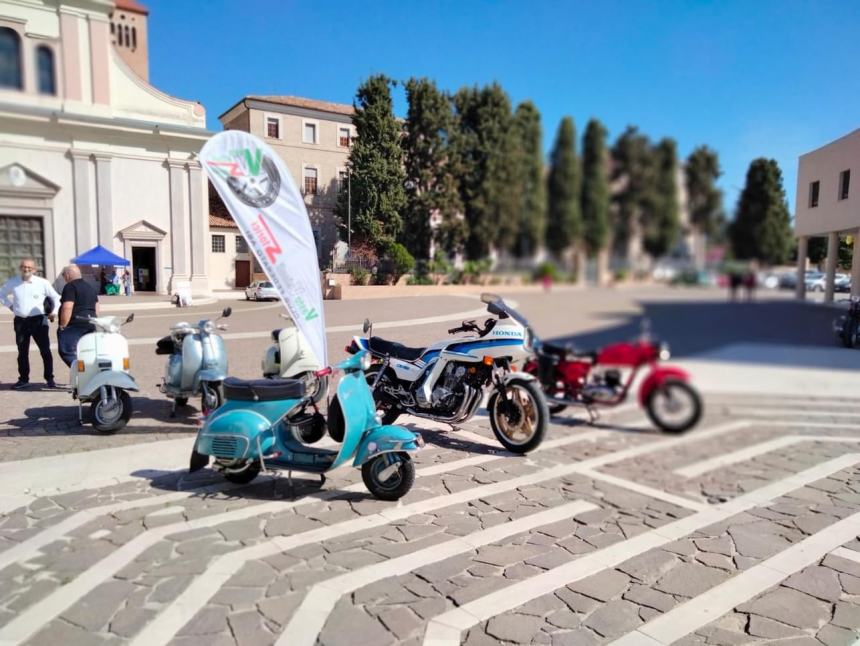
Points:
268	423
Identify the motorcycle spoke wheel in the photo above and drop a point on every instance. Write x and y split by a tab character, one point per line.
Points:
517	417
674	406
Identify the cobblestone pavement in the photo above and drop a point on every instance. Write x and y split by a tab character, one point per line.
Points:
742	531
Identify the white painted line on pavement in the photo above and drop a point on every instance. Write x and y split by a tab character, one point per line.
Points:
100	468
651	492
310	618
445	629
713	604
726	459
165	625
757	412
845	553
33	618
834	425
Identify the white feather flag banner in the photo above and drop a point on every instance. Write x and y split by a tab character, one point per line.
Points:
265	203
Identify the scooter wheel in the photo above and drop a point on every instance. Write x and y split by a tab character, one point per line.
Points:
664	402
109	419
387	481
246	476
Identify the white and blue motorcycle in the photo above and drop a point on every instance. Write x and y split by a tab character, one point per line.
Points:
447	381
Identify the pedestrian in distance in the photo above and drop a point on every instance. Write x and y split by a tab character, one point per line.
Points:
735	280
750	283
79	302
27	295
126	282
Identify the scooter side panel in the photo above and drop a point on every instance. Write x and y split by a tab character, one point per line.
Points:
192	361
385	439
359	413
233	434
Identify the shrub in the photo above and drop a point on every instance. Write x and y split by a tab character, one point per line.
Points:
401	260
546	270
359	275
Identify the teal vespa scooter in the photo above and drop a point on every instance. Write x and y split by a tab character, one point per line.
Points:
267	424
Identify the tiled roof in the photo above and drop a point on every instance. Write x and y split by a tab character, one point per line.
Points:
131	5
301	102
224	222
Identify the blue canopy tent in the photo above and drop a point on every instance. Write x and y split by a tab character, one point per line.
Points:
98	255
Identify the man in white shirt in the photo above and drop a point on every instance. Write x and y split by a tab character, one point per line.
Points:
27	296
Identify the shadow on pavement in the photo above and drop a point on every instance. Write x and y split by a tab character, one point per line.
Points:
702	327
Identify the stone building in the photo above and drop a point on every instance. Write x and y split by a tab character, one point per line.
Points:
313	139
827	205
90	152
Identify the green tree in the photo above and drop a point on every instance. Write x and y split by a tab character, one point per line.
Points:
532	202
376	162
762	226
564	221
431	187
595	187
634	170
661	212
704	199
483	145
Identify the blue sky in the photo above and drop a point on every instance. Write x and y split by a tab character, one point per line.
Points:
749	78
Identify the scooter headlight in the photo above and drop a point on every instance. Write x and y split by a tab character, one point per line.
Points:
365	361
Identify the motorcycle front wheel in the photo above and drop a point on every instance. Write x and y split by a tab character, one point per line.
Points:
519	421
674	406
388	476
108	417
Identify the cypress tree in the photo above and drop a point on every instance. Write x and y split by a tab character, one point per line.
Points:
762	226
376	161
662	224
595	187
532	201
704	199
564	221
431	185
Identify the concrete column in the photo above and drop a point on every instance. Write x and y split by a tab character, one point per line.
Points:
855	265
198	203
800	287
104	201
179	251
830	267
81	187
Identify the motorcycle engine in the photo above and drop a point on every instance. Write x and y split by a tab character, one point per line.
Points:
604	386
445	393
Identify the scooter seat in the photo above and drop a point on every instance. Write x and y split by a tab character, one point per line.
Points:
396	350
263	390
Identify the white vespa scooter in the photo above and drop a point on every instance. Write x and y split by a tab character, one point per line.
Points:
100	375
291	357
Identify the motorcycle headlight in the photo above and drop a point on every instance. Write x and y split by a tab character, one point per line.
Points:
664	352
365	361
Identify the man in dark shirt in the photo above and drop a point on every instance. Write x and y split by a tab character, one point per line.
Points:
79	300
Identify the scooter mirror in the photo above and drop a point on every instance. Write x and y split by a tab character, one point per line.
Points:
488	298
226	312
130	318
367	325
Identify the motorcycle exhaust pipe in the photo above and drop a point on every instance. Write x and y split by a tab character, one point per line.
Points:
463	412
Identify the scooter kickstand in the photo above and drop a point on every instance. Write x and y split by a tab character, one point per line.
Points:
593	415
322	480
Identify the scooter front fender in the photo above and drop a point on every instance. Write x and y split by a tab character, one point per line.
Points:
115	378
657	377
211	375
386	439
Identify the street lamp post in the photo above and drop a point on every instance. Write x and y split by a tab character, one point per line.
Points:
348	209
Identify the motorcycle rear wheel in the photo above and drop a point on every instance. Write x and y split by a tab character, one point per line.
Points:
849	334
519	422
397	484
658	397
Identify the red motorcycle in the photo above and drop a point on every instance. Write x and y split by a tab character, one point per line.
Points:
604	377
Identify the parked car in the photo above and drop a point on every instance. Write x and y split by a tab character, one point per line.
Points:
261	290
842	283
814	281
788	280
